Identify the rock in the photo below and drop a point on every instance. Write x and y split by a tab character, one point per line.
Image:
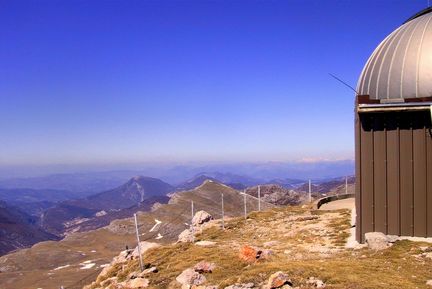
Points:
278	280
377	241
248	254
317	283
201	217
186	236
205	243
135	283
144	246
251	254
204	267
125	256
240	286
190	277
429	283
148	271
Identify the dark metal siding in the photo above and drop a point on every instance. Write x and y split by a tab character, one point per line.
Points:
394	173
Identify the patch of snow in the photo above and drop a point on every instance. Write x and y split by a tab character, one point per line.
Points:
86	262
93	251
61	267
88	266
157	224
104	265
159	236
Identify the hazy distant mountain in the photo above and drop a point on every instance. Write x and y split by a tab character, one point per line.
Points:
230	180
102	179
194	182
19	230
287	183
23	195
69	213
35	202
136	190
82	184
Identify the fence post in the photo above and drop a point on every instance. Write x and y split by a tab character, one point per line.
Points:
259	198
192	225
346	185
139	245
223	213
245	209
310	191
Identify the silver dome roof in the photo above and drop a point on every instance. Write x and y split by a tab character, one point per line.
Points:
401	66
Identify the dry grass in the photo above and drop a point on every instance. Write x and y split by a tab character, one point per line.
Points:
292	253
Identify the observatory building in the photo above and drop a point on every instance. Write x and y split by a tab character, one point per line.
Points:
394	134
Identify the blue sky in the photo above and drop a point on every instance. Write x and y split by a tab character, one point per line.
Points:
85	82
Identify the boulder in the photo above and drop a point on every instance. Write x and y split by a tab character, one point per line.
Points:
378	241
144	246
201	217
251	254
248	254
186	236
190	277
204	267
241	286
429	283
278	280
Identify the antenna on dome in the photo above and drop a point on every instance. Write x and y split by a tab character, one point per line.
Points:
343	82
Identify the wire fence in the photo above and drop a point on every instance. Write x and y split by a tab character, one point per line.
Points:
217	209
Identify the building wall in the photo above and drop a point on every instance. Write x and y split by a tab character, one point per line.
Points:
394	173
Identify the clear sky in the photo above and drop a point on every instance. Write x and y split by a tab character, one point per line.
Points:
132	81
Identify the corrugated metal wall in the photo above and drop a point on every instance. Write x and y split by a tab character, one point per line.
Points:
394	173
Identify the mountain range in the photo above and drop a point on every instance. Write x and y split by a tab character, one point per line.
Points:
63	263
19	230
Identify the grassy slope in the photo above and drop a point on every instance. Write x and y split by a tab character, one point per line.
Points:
295	253
34	266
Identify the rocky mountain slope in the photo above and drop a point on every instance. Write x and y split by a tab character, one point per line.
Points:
77	259
288	247
65	216
19	230
278	195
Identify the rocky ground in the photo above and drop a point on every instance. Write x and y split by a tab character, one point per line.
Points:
290	247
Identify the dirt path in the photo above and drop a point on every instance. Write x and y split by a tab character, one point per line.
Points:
339	204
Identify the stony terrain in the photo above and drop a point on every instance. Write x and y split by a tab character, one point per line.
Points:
52	264
290	247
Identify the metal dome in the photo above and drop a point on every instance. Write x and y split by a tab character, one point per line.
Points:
401	66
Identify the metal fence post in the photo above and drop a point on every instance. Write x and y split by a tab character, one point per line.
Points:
192	225
259	198
245	209
223	213
139	245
